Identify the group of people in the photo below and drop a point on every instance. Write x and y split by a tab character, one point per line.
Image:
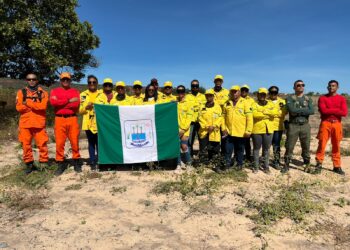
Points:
224	120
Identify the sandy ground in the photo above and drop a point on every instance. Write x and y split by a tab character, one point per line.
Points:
95	217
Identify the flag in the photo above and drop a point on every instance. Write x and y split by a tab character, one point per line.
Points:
134	134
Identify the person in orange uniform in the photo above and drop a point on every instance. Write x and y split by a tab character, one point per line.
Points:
31	103
87	99
137	98
332	108
66	102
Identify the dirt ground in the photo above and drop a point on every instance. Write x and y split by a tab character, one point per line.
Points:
119	210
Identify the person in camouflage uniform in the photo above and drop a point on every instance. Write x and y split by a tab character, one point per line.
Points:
299	107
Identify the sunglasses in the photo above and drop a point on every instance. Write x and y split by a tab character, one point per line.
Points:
273	92
194	86
31	79
300	85
167	87
109	85
65	80
137	87
92	82
181	91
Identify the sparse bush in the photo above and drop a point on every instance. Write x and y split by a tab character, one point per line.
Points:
118	190
20	200
73	187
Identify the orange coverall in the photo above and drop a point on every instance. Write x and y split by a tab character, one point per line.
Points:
32	123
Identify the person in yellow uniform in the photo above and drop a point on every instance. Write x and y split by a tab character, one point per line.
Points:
167	93
184	113
278	124
210	121
198	100
137	98
86	109
264	113
151	95
239	124
221	96
247	147
122	98
107	96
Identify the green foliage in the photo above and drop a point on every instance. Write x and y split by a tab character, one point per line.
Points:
199	182
20	200
34	180
45	37
293	202
118	190
73	187
342	202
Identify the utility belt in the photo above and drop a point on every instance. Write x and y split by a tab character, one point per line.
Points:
66	116
299	120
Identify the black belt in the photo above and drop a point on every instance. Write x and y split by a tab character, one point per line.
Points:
65	116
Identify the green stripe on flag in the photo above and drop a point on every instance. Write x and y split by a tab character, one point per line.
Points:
110	148
167	131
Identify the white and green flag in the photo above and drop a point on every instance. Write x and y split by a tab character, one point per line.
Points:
134	134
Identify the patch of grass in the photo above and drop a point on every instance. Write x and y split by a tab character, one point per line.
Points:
34	180
203	206
342	202
73	187
21	200
118	190
89	176
199	182
292	201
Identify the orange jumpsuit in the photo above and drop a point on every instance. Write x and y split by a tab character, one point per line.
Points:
66	120
32	123
332	109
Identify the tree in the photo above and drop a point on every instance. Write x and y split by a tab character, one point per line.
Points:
46	37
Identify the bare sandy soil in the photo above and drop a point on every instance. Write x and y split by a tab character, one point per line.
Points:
118	210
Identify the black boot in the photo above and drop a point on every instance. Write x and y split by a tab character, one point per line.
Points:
61	167
338	170
318	168
285	169
30	167
77	165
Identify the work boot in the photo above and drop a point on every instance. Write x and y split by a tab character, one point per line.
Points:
77	166
285	169
318	168
61	167
338	170
30	167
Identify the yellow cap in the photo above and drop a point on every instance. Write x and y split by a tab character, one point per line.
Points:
137	82
209	92
236	87
108	80
262	91
219	77
120	84
245	86
168	84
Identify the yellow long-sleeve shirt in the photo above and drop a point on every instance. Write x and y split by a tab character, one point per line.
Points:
210	116
184	115
238	118
198	101
278	121
87	97
137	100
263	117
167	98
221	97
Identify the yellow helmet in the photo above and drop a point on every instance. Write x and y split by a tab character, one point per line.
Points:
220	77
236	87
120	84
137	82
209	92
109	80
262	91
168	84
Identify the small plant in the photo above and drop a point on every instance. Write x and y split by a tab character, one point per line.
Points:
147	203
118	190
342	202
293	202
21	200
73	187
89	176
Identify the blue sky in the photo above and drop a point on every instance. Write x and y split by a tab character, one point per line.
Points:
258	42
